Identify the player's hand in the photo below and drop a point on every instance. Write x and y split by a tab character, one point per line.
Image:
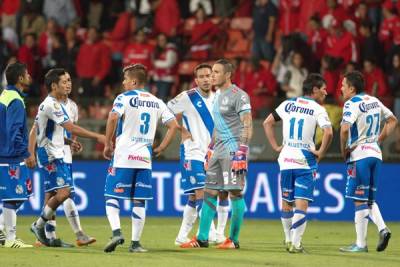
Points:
101	139
76	146
239	161
346	152
210	152
30	162
317	154
108	152
157	151
278	149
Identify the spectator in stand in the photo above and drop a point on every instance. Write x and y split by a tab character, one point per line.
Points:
57	58
46	37
165	61
95	11
225	8
32	22
6	53
317	37
394	82
203	33
206	4
375	81
8	11
143	16
289	14
243	8
166	16
361	15
93	64
72	45
138	51
264	23
369	44
63	11
336	11
389	32
308	9
294	76
331	74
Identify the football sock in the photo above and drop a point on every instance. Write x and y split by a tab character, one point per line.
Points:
286	218
71	212
207	215
112	211
238	208
223	213
189	217
10	220
376	216
1	220
138	219
47	213
50	229
361	223
299	223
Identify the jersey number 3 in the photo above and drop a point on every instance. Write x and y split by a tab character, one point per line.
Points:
144	126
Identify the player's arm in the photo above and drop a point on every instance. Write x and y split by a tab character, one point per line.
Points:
185	134
326	142
31	160
269	125
388	128
247	131
112	122
172	126
344	134
79	131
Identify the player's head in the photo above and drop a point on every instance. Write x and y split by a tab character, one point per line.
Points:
352	84
315	86
17	75
58	82
222	70
135	77
69	86
202	76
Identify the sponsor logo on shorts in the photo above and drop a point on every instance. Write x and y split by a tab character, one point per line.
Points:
122	185
359	192
13	173
139	158
211	182
300	186
285	194
140	184
60	181
192	180
119	190
19	190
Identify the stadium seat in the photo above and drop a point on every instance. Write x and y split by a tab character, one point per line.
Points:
238	45
187	67
242	23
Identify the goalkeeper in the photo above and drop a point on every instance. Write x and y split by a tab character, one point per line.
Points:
227	159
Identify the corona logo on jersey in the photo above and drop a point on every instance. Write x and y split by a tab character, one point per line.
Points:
139	158
366	107
291	107
13	173
136	103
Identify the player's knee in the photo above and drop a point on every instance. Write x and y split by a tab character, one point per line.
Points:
63	194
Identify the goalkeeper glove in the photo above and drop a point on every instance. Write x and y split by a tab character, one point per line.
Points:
239	161
208	156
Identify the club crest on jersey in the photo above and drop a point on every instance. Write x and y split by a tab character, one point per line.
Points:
291	107
136	103
111	171
13	173
19	189
199	104
60	181
51	168
351	171
366	107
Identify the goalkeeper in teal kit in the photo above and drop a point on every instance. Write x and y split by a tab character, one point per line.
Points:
227	156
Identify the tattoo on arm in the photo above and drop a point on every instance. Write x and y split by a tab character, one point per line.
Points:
247	131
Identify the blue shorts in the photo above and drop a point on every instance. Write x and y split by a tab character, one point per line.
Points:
69	167
362	178
193	174
128	183
56	175
298	184
15	184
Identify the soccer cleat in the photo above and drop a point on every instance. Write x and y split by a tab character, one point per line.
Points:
40	234
113	243
287	245
84	240
136	247
2	238
195	243
179	241
354	248
294	249
17	243
58	243
384	236
228	244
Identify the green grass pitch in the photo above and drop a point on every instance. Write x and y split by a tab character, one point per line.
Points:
261	245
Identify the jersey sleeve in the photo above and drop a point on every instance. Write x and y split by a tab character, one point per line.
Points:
350	113
242	103
385	112
323	118
119	105
75	112
177	105
166	115
280	110
55	112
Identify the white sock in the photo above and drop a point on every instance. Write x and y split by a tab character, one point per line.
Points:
223	213
361	222
138	219
71	212
112	211
189	217
299	223
50	229
1	221
47	214
10	223
286	218
376	216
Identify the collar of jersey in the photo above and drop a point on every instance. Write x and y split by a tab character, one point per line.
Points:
307	97
14	88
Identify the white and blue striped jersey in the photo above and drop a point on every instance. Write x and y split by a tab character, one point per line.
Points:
49	132
139	113
364	113
72	111
197	119
300	117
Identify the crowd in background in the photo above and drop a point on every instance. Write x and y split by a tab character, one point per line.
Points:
273	43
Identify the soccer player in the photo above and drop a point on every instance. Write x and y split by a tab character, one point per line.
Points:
360	137
133	119
15	184
71	212
51	122
194	107
298	156
227	165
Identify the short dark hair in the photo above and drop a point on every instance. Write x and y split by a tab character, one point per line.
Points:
53	76
201	66
313	80
355	79
228	66
138	71
14	71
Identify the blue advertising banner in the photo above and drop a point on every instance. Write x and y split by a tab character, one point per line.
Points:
261	193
